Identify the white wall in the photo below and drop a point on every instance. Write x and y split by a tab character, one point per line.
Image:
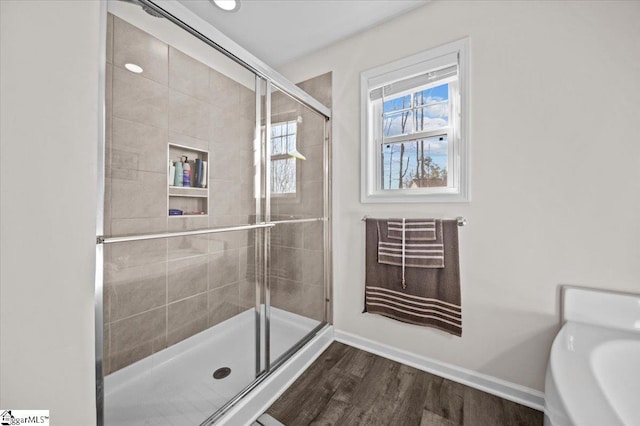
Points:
555	180
49	128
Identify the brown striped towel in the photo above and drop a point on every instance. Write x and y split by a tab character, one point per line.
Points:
414	229
431	297
410	254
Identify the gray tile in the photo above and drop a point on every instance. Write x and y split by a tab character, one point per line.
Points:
223	268
132	45
313	168
287	235
224	197
106	301
107	223
139	147
133	226
247	294
189	223
228	240
184	247
188	116
109	38
224	241
124	165
287	294
188	75
294	296
311	131
286	263
108	100
108	130
137	253
136	290
230	220
186	318
223	91
228	162
247	103
319	87
247	263
139	99
137	337
179	139
312	197
106	349
313	235
228	126
313	302
223	304
312	267
187	277
143	197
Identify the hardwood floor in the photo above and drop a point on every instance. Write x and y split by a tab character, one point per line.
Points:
348	386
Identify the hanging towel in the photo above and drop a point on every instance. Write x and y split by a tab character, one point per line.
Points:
406	253
414	229
432	295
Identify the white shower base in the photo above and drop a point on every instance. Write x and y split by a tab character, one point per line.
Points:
175	386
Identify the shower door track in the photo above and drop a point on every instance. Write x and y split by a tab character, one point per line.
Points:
127	238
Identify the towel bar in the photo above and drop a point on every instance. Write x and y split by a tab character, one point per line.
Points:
461	220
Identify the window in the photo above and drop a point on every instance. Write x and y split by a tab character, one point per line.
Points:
414	140
283	165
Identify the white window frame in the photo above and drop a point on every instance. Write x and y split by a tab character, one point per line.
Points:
458	188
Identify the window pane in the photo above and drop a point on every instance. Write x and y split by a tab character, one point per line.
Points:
276	146
398	123
283	176
435	116
396	104
291	128
415	164
432	95
276	130
291	142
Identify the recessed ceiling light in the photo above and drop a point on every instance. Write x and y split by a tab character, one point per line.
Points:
227	5
133	68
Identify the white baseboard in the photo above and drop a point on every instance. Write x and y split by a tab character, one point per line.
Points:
507	390
260	399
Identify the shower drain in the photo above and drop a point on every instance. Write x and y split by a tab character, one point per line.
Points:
221	373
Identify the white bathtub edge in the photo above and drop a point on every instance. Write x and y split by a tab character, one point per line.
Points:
264	395
513	392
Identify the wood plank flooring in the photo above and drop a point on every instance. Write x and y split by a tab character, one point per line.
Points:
348	386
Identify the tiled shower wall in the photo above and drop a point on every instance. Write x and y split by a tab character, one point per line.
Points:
159	292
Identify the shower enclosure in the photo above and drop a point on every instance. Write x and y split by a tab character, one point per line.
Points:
206	283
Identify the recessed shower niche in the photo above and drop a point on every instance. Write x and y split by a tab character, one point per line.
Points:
187	196
240	279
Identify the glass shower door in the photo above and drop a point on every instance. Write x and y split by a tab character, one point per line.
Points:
296	281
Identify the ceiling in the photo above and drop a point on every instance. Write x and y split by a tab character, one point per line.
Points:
279	31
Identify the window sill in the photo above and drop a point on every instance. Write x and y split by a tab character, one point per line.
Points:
414	198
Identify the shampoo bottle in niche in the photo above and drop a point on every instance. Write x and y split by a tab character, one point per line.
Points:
179	174
172	173
186	172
